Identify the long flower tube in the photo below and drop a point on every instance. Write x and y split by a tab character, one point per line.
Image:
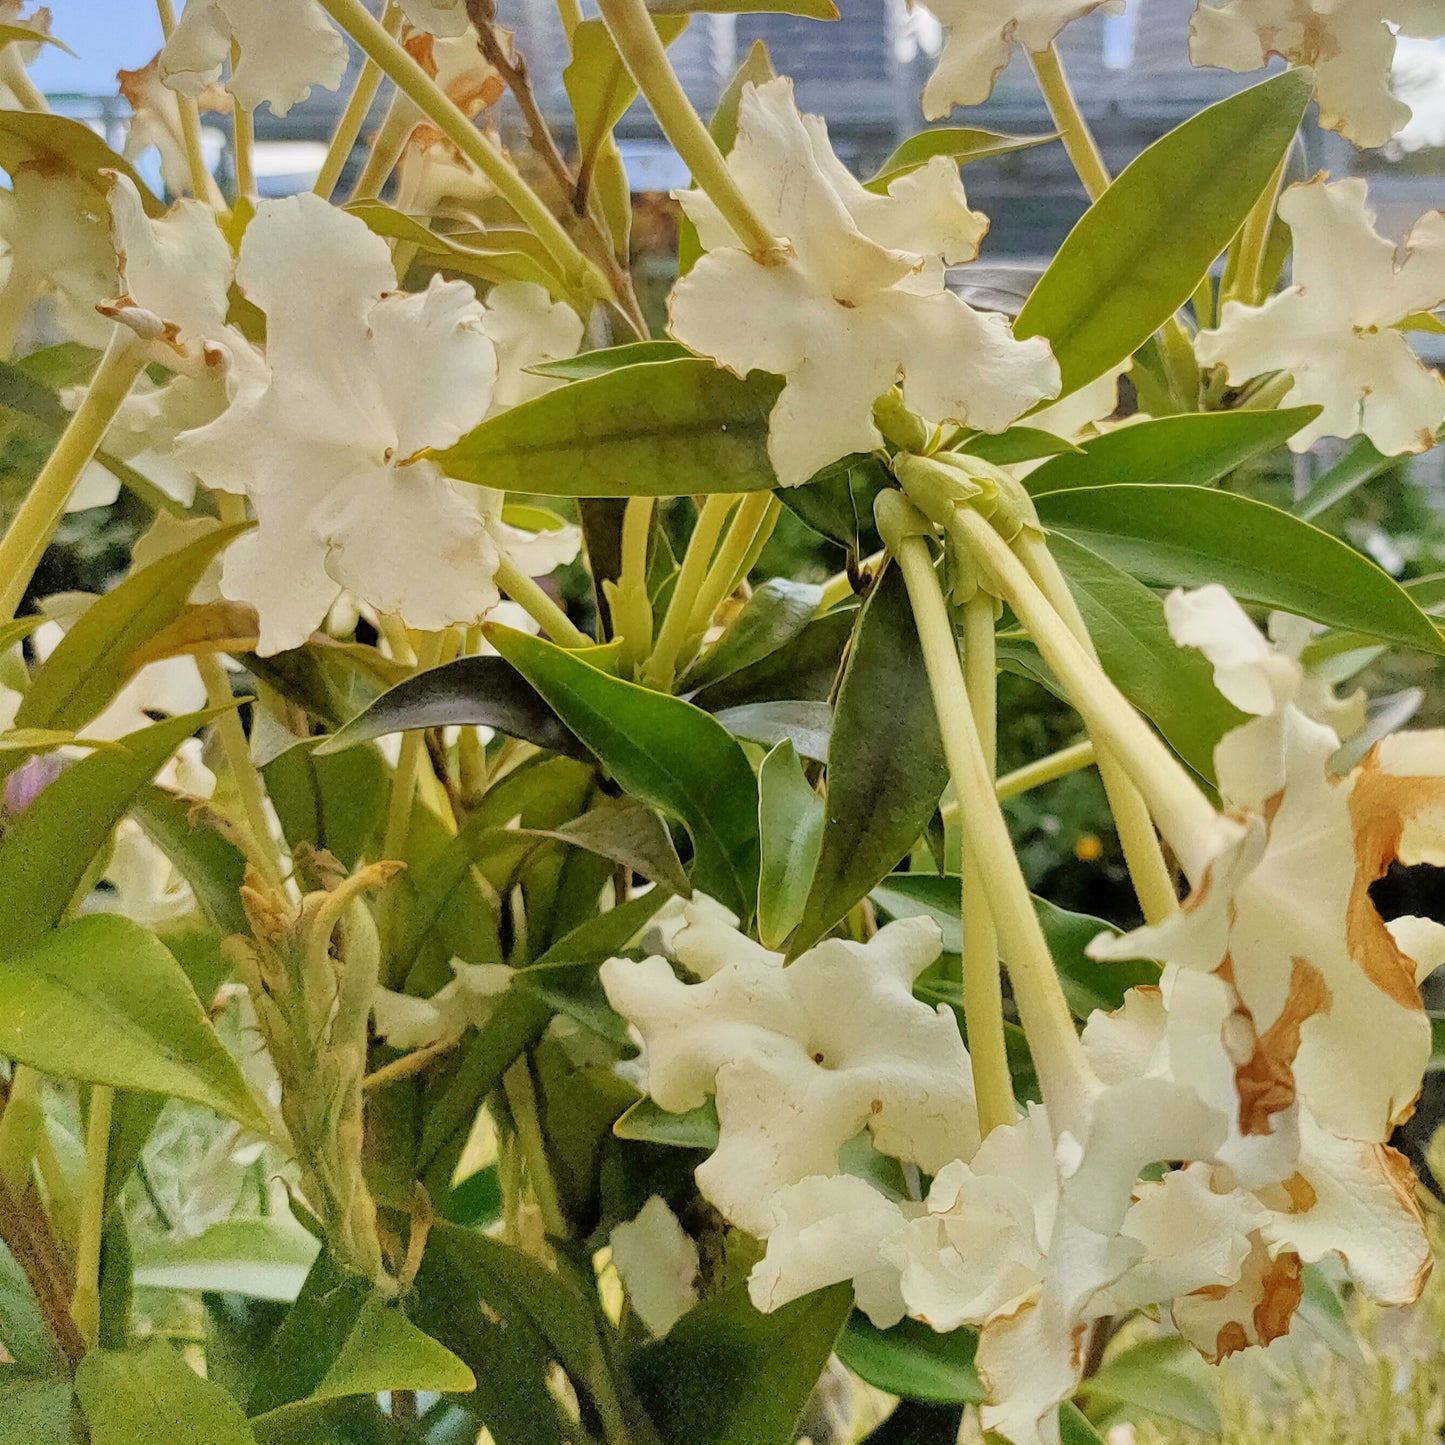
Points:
1067	1082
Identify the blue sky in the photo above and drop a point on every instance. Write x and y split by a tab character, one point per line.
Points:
105	35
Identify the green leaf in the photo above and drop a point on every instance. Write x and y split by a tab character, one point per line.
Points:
1176	451
37	1409
650	1124
803	669
960	143
808	9
93	661
472	691
1147	241
1017	444
613	358
152	1394
790	825
598	84
1173	686
46	851
1361	463
335	803
913	1361
51	143
1190	536
664	751
1160	1377
728	1375
574	990
266	1259
1075	1428
775	614
1087	984
624	831
342	1338
886	769
838	502
806	725
24	35
659	430
213	865
102	1000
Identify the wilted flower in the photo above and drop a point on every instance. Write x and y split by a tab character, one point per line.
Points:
284	50
155	121
1350	45
361	381
17	91
801	1059
1333	329
855	299
980	34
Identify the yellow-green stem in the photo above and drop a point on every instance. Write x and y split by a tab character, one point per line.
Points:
17	296
631	606
1073	129
244	777
1184	815
1063	1072
404	779
1253	240
29	534
202	186
242	140
1043	770
522	1103
761	538
353	117
14	74
386	148
738	544
661	666
1149	873
579	274
982	982
642	51
533	599
85	1304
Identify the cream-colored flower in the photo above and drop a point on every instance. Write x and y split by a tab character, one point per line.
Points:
407	1022
855	300
801	1059
438	17
980	36
284	51
657	1261
16	89
155	122
1333	329
361	382
1349	43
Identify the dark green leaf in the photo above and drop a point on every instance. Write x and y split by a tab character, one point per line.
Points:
101	1000
838	502
1173	686
913	1360
802	669
658	430
47	850
573	989
213	865
1075	1429
649	1124
1190	536
959	143
1177	451
776	612
334	803
472	691
664	751
728	1375
152	1394
624	831
790	825
886	768
805	725
1147	241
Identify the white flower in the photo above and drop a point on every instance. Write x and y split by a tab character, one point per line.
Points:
802	1058
1350	44
284	50
1333	328
856	299
438	17
155	121
528	328
407	1022
657	1262
361	382
982	33
144	885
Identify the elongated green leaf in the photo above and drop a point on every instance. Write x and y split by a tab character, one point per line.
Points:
959	143
37	1409
803	669
152	1394
330	802
727	1375
1362	463
838	502
52	143
102	1000
599	85
913	1361
1147	241
1075	1427
94	658
1017	444
476	691
658	430
1173	686
790	825
47	850
776	612
646	1122
1190	536
342	1338
806	725
886	768
1160	1377
1175	451
662	750
265	1259
213	865
614	358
